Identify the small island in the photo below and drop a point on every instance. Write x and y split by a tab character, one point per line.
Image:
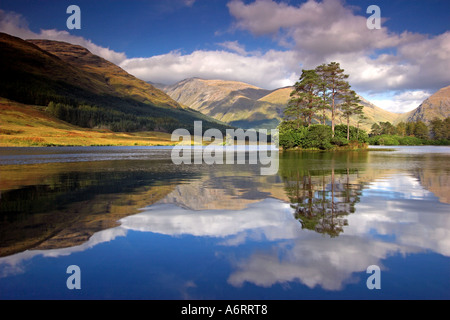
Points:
322	96
318	93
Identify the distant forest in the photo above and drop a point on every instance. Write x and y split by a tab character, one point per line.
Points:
411	133
87	116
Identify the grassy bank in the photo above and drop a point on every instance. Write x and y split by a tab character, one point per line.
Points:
24	126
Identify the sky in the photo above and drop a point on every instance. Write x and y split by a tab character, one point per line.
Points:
266	43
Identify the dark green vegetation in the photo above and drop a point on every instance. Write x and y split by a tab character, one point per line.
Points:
321	188
87	116
84	89
411	133
320	137
324	88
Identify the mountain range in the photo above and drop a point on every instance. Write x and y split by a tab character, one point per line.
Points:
236	103
243	105
34	73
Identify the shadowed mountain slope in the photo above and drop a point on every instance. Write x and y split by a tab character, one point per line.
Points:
37	72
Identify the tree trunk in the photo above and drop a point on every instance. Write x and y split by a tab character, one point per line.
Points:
333	107
332	118
348	128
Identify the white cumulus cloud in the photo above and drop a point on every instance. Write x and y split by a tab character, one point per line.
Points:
403	101
329	30
304	36
270	70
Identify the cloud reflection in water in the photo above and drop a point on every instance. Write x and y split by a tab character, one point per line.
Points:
381	226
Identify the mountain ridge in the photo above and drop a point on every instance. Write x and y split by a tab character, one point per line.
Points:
238	108
262	110
233	102
118	79
37	72
436	106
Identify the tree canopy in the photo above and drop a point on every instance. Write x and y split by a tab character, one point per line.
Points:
318	90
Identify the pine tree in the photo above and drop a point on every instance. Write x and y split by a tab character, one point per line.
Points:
350	106
410	128
401	129
337	85
323	93
292	112
446	124
360	119
440	129
420	130
387	128
375	129
304	99
436	128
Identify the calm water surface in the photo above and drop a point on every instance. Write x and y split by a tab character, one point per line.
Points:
140	227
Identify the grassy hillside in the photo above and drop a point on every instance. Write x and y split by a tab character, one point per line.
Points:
233	102
279	96
38	72
112	79
26	125
246	106
375	114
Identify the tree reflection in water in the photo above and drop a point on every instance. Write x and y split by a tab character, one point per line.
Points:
326	193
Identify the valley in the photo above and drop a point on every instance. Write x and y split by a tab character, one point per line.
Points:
95	102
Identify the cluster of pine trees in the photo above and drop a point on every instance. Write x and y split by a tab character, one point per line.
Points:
87	116
320	89
317	91
411	133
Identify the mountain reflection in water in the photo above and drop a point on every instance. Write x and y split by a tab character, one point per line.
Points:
322	220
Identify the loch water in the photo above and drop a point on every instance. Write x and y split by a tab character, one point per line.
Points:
139	226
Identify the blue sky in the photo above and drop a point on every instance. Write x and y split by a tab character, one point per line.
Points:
262	42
